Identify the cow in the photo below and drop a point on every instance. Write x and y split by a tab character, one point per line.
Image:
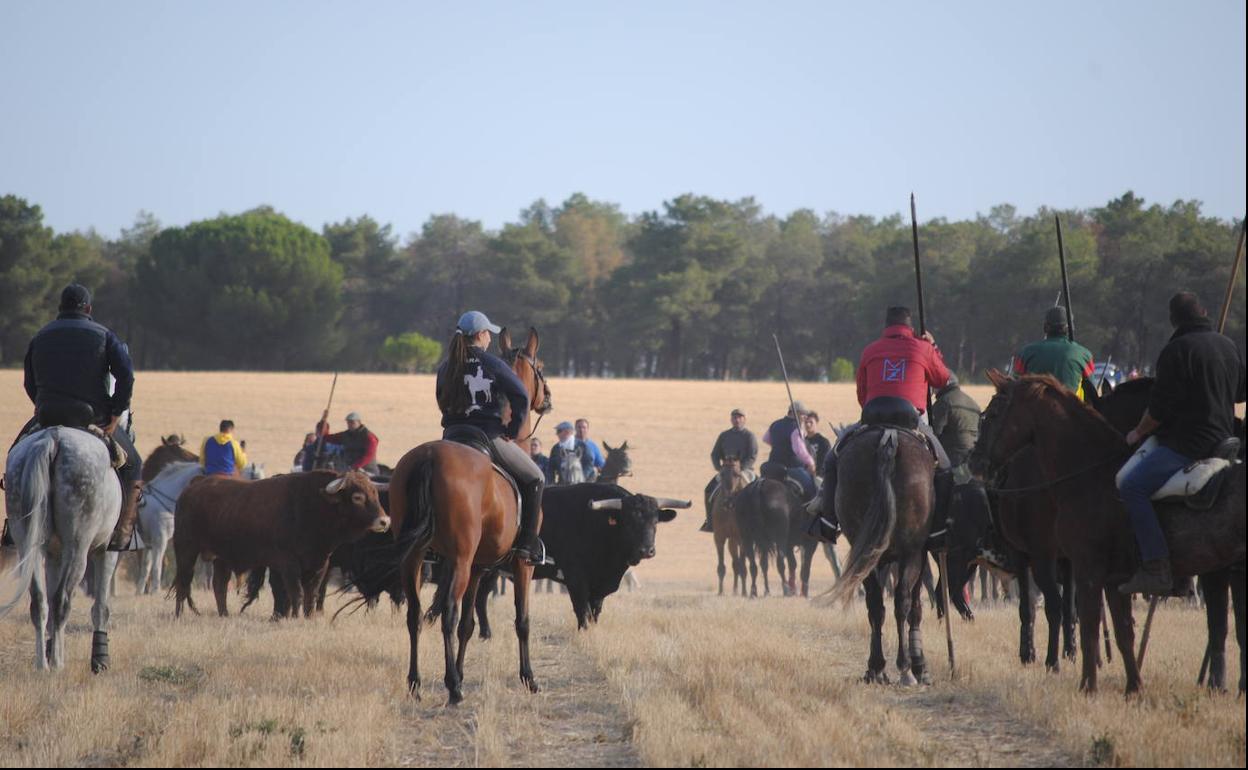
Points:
291	523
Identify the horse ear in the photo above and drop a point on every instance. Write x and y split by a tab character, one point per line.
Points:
997	378
608	446
530	347
624	445
504	340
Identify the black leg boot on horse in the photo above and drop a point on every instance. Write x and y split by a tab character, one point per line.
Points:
529	546
825	526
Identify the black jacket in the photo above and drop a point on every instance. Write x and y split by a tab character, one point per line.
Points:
741	443
1200	378
489	382
70	358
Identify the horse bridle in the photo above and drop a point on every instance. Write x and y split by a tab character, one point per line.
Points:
539	383
997	471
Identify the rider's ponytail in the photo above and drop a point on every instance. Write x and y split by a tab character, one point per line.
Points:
453	399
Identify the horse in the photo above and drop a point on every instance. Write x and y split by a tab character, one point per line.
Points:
63	500
1123	408
763	513
1078	453
617	465
172	449
724	522
885	498
449	498
160	497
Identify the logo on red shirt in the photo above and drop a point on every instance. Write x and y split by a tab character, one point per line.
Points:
894	371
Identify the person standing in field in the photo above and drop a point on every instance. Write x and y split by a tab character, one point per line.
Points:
816	442
596	458
739	442
569	458
222	454
535	454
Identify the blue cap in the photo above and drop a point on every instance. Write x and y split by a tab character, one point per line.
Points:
565	425
474	322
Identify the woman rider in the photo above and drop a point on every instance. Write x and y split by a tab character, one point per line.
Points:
472	387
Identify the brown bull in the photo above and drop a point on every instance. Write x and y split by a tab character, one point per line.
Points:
289	523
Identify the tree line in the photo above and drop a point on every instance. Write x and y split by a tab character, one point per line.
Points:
694	289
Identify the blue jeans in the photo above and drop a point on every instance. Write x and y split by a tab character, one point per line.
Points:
1137	492
803	477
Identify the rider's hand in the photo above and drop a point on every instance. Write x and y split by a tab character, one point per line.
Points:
928	336
1133	438
113	422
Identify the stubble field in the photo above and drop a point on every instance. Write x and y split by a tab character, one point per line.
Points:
673	675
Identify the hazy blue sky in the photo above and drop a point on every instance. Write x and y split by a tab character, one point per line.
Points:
403	110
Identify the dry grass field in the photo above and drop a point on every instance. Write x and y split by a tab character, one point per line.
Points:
673	675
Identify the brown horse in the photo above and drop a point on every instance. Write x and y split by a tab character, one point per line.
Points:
449	498
885	496
724	523
171	450
1078	452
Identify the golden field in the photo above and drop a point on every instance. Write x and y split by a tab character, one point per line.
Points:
673	675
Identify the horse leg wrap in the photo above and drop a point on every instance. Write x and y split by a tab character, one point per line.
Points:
99	652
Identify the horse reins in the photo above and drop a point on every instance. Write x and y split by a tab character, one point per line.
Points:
539	382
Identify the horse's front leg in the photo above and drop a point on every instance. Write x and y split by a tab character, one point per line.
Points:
105	566
905	598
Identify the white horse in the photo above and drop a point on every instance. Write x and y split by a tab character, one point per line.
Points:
62	487
160	496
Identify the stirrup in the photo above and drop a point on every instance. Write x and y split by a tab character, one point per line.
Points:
135	543
538	559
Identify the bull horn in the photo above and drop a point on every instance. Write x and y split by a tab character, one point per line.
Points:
334	486
614	504
669	502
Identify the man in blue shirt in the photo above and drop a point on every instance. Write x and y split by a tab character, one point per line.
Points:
596	458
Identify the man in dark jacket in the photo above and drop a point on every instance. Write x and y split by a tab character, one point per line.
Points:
738	441
66	373
955	421
1200	378
359	445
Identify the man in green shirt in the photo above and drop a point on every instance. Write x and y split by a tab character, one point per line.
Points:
1068	361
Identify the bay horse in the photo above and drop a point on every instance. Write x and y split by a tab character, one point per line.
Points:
448	497
172	449
724	523
1079	452
885	497
63	500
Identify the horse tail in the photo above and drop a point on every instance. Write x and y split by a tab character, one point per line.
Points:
438	605
34	480
878	523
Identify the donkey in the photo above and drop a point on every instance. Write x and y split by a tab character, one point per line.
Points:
62	487
885	495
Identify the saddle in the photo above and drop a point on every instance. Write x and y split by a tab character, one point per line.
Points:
1197	486
777	472
116	455
474	437
886	412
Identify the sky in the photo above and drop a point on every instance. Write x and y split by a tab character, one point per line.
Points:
406	110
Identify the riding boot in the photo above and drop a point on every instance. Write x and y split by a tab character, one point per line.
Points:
1152	579
826	526
944	483
125	534
529	546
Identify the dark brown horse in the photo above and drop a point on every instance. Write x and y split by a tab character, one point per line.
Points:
763	521
1078	452
885	494
449	498
171	450
617	465
724	523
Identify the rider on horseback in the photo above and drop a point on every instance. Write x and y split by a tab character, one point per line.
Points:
1057	354
789	449
472	387
67	367
899	365
1200	378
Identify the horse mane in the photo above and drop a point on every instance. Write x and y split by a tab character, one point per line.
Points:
1046	386
1134	387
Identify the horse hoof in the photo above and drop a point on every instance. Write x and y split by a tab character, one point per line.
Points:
875	677
531	683
99	665
456	697
907	679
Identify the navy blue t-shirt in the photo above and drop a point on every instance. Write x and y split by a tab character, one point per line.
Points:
489	382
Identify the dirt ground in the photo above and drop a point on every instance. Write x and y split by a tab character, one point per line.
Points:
673	675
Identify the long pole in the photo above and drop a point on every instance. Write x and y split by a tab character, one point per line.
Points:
320	434
1061	255
1222	316
943	557
784	371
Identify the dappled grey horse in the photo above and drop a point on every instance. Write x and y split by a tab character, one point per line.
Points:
160	496
60	486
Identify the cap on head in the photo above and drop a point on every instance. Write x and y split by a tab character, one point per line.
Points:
565	425
1055	318
737	413
75	297
798	408
354	417
475	322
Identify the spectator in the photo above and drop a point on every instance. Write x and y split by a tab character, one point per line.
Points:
539	459
570	461
222	455
359	445
597	460
816	442
306	457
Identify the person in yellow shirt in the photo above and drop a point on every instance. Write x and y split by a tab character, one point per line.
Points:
221	455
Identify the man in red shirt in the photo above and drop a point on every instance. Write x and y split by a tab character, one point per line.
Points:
900	365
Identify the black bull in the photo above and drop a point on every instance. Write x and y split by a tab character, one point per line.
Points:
591	547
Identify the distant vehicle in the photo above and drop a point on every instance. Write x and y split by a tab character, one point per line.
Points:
1110	372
